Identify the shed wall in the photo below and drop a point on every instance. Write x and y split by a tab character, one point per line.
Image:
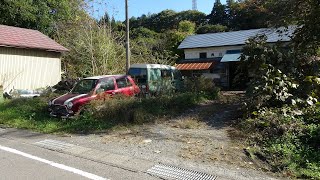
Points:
28	69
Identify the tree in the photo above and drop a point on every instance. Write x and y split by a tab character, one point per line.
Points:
230	3
38	14
143	32
249	14
208	28
167	20
218	14
148	46
163	21
94	48
292	71
187	27
193	16
302	13
105	19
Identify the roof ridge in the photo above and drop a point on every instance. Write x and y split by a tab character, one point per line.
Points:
232	38
226	32
260	29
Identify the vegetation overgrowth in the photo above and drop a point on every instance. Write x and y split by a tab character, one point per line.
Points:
282	105
289	143
106	113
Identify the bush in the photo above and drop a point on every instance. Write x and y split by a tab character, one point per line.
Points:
202	86
288	142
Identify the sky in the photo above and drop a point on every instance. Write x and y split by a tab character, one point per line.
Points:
116	8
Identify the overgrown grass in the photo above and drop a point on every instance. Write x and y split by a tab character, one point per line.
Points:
137	111
290	144
99	115
32	114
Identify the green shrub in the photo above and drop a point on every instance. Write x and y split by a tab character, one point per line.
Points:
201	86
290	143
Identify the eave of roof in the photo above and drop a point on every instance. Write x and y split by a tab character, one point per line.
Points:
35	48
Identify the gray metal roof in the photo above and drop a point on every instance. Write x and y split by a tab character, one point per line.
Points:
235	37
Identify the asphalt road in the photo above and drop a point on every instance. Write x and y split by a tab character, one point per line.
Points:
17	167
19	160
83	157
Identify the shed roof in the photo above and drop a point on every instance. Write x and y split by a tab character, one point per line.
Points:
27	38
196	66
236	37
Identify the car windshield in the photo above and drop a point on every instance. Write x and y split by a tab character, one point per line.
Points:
84	86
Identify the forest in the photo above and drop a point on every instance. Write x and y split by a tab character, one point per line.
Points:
99	41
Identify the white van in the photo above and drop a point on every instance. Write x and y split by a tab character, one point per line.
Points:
156	78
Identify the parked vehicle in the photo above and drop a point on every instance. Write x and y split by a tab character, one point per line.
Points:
89	89
22	93
156	78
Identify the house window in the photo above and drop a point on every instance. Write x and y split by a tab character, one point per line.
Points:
203	55
220	54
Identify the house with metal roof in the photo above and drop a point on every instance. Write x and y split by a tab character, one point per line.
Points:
215	55
28	59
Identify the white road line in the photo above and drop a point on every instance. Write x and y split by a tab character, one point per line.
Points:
60	166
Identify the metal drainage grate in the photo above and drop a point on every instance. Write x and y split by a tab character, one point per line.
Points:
171	172
54	145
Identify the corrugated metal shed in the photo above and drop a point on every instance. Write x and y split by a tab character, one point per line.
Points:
28	68
235	37
28	59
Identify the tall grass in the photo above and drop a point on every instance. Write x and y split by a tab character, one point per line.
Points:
136	111
98	115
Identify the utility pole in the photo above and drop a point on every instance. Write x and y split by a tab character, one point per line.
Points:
127	39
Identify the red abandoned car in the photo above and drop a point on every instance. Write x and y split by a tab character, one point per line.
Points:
89	89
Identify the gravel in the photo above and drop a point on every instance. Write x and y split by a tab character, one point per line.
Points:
209	147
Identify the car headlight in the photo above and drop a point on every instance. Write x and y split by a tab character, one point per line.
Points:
50	103
69	105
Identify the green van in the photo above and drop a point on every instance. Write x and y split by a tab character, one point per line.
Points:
155	79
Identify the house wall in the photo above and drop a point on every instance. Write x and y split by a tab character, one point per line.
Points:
28	69
216	51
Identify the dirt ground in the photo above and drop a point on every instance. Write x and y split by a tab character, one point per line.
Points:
202	136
